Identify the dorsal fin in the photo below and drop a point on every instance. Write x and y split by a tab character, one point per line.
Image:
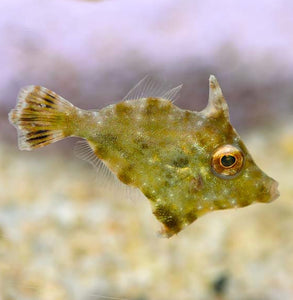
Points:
217	105
150	87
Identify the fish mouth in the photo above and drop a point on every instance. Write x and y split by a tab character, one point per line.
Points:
274	192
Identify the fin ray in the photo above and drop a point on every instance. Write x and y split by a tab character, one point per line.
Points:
40	116
151	87
84	151
106	177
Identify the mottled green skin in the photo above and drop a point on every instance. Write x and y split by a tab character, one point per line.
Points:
170	154
166	152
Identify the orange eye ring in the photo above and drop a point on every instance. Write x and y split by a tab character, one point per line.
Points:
227	161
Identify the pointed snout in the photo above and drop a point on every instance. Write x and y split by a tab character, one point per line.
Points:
267	190
274	192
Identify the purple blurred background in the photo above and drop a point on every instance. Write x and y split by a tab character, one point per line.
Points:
93	52
63	234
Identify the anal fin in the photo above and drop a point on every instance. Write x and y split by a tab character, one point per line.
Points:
106	177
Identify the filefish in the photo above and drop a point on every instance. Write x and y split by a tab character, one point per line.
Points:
186	163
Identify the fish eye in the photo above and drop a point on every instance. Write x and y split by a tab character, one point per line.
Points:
227	161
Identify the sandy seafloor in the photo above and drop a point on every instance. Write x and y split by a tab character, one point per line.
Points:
65	236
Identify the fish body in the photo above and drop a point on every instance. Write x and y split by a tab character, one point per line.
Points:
186	163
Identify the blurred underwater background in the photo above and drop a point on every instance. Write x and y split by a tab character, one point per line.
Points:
65	236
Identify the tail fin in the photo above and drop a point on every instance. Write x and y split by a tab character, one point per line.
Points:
41	117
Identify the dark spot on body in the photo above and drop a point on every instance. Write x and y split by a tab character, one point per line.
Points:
101	151
173	223
105	144
181	161
190	217
123	108
168	217
222	204
218	204
187	116
149	195
243	202
155	106
167	184
141	142
196	184
169	174
124	177
109	145
126	174
152	106
144	145
170	177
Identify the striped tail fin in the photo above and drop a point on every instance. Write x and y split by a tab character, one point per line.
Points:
41	117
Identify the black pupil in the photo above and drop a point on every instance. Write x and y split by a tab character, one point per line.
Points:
228	160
